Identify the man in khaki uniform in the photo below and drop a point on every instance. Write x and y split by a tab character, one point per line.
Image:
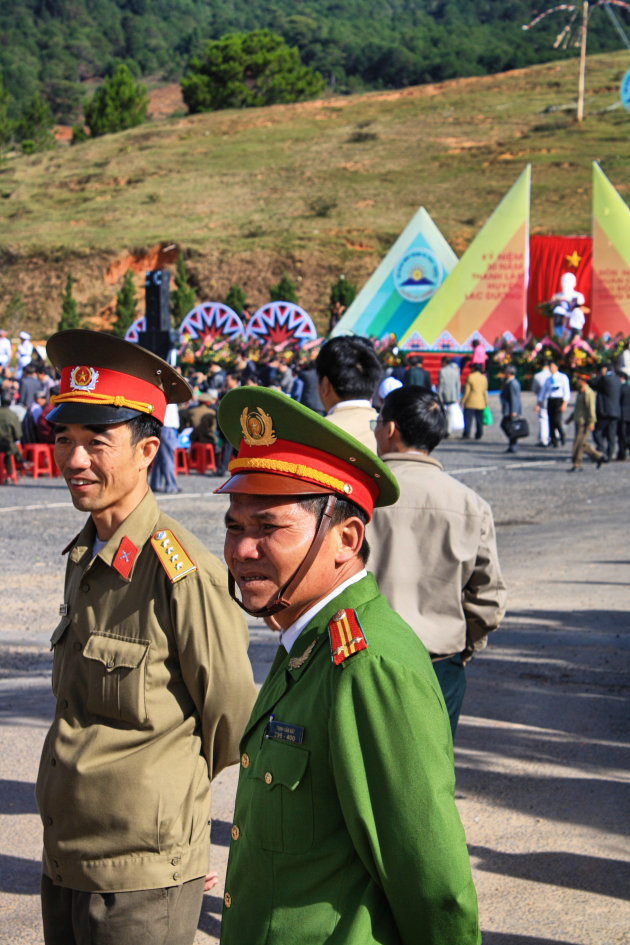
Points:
585	419
348	372
150	671
434	552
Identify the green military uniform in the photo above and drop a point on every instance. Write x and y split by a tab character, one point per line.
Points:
153	688
350	835
10	431
345	826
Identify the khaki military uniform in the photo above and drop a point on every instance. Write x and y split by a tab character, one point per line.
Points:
345	827
434	556
153	689
355	420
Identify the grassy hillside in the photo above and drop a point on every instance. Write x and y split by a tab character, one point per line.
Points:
314	189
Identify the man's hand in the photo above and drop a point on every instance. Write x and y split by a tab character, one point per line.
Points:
210	882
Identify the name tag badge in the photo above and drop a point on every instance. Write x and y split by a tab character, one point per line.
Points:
284	732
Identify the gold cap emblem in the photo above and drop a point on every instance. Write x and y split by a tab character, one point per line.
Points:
83	378
257	427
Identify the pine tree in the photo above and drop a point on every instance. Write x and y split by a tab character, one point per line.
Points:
283	291
70	317
125	306
343	292
236	298
183	298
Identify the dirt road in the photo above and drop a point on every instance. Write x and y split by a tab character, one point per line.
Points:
542	749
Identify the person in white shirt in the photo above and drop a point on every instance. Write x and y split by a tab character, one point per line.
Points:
163	469
24	353
5	350
555	395
538	381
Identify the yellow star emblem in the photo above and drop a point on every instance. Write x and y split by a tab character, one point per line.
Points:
574	259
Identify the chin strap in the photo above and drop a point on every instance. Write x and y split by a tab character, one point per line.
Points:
283	597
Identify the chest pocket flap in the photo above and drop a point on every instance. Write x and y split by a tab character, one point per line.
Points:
280	764
116	677
281	809
114	653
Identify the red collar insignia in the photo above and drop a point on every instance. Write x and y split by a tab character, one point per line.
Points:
125	557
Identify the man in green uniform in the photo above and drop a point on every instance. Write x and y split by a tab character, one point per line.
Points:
345	827
150	671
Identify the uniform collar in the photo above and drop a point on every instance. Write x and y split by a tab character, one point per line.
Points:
290	635
137	528
411	457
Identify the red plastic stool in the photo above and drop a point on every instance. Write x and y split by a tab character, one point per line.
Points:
5	473
181	461
202	457
39	455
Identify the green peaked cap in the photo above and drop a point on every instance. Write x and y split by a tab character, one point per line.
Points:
279	437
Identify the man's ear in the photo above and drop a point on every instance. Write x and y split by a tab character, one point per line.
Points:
146	450
350	536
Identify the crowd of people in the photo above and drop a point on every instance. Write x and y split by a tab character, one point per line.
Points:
601	410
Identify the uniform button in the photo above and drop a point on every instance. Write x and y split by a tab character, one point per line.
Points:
64	703
176	876
56	863
85	587
227	899
53	762
245	759
76	646
235	832
175	861
339	615
58	877
48	821
268	777
110	663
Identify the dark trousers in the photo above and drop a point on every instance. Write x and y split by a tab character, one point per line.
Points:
451	676
606	430
469	416
512	441
582	445
554	405
623	435
148	917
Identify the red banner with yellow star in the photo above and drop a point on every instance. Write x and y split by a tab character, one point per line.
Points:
549	258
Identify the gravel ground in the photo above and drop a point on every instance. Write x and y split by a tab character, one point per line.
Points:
542	745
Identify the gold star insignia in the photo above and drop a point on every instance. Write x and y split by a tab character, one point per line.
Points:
574	259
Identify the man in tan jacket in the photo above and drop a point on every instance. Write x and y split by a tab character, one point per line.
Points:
150	671
585	419
434	552
348	372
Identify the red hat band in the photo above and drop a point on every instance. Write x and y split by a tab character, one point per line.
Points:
81	384
308	464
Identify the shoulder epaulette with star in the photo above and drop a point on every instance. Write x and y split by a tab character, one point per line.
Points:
346	635
171	555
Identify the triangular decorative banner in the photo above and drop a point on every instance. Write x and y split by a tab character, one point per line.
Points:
611	258
487	290
396	293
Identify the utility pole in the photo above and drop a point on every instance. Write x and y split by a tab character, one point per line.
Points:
580	104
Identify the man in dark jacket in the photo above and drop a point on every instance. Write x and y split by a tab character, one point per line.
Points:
608	409
510	405
623	431
415	374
